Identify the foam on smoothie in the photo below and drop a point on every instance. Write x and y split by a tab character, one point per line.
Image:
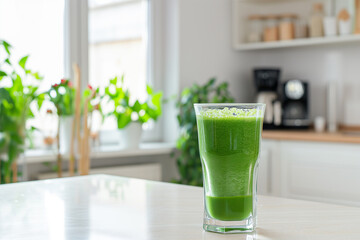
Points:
229	113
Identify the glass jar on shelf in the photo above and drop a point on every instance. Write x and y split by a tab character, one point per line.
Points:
301	28
287	26
255	29
316	28
271	30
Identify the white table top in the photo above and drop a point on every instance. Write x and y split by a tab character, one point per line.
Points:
105	208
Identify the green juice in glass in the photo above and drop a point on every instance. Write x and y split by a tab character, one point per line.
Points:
229	141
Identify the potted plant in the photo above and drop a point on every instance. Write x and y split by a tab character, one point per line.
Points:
131	113
18	90
62	95
188	163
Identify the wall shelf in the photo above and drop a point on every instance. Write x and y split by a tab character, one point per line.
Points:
242	9
298	43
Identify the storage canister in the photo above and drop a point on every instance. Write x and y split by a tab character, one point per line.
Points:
255	30
271	31
287	26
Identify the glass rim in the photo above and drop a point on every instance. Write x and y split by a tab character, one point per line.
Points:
229	104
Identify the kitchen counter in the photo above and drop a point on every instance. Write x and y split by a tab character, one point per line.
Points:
311	135
107	207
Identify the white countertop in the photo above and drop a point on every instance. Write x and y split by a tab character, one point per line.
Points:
106	207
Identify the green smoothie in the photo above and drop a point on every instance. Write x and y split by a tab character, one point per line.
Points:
229	142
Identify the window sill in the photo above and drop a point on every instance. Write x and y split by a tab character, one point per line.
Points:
103	152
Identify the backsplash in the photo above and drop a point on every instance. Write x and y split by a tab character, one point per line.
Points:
320	65
352	103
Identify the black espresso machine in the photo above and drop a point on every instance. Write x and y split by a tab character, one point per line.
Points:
295	104
267	84
287	104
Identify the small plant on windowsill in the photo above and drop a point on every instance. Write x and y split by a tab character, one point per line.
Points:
62	95
131	113
18	90
188	163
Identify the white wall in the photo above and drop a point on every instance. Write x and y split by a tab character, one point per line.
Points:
192	43
206	50
206	47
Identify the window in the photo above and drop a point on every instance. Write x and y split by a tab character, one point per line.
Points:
118	45
36	28
52	33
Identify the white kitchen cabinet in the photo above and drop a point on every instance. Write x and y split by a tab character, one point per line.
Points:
326	172
264	175
264	184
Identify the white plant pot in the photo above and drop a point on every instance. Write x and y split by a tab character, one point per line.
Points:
65	134
109	137
130	136
345	27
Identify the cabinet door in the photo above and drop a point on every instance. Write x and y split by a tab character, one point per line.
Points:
264	171
328	172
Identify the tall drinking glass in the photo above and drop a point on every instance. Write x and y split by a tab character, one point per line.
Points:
229	142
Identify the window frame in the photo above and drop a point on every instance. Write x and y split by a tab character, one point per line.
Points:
76	47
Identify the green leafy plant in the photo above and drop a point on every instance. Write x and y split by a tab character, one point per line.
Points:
125	110
19	88
62	95
188	163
